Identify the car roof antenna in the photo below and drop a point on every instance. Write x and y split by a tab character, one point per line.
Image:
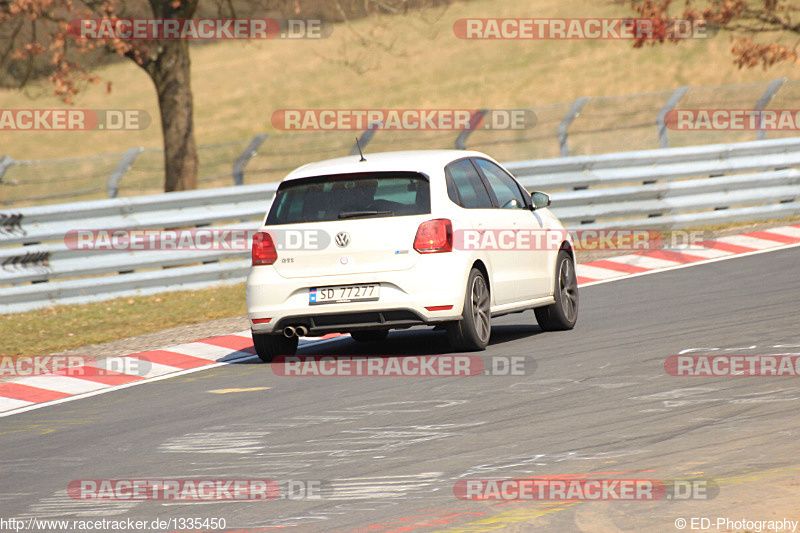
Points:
359	151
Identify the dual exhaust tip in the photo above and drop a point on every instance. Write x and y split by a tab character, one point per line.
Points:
294	331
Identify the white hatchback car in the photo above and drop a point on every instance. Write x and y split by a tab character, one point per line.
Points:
362	246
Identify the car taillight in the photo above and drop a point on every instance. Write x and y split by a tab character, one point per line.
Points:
434	236
264	252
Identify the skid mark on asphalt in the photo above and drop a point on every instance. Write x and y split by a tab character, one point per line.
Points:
236	442
727	392
60	504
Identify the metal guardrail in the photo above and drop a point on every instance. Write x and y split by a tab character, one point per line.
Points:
675	188
654	189
588	125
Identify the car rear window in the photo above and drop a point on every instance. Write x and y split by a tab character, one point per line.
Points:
350	196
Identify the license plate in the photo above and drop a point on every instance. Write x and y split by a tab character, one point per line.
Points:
342	294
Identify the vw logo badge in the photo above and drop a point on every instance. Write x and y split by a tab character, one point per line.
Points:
342	239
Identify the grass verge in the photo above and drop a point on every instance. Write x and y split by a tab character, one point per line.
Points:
64	327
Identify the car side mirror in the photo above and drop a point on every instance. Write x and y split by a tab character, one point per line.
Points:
540	200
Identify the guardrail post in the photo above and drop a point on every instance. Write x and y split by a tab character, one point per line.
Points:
568	119
762	103
661	121
124	165
366	137
244	157
4	164
474	120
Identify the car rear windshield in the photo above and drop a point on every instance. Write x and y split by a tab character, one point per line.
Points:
350	196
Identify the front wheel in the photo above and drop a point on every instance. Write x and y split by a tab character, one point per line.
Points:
563	314
268	347
472	332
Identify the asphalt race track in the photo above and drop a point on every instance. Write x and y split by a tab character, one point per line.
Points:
599	404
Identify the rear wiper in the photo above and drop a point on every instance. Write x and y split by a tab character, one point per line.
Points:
356	214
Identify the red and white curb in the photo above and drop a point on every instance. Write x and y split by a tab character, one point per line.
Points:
33	392
639	263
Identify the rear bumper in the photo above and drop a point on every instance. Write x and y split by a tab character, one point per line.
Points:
320	324
438	280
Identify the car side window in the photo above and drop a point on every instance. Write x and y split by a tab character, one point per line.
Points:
508	194
465	187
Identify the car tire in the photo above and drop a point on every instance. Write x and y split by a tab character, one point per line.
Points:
369	335
472	332
268	347
563	314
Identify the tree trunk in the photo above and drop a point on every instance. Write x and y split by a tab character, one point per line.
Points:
171	75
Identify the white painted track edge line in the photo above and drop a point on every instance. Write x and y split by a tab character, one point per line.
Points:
109	389
112	388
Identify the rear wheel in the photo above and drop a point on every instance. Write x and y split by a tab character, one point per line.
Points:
472	332
563	314
268	347
369	335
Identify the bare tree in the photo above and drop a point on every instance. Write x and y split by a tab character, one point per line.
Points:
36	41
